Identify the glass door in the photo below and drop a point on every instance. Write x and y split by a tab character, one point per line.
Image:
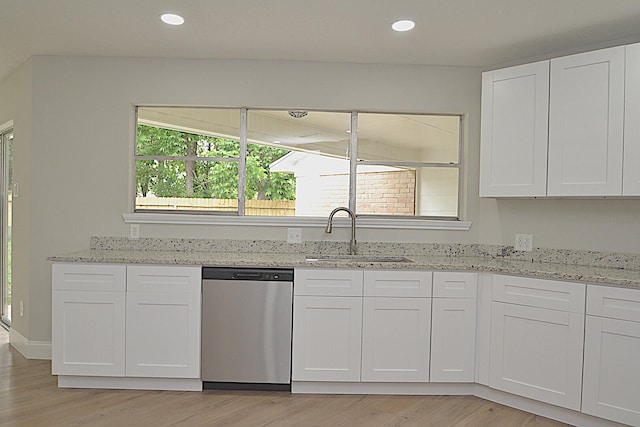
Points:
6	190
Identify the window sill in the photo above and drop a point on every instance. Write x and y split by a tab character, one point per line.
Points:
363	222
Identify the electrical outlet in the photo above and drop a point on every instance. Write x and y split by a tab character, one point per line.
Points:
524	242
294	235
134	231
21	309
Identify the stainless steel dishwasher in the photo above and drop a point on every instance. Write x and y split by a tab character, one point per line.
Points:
246	328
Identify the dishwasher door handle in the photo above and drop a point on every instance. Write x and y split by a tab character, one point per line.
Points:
246	275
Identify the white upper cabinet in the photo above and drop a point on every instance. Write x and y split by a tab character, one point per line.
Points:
631	168
513	157
567	127
586	121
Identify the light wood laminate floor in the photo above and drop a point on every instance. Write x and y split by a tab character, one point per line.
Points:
29	396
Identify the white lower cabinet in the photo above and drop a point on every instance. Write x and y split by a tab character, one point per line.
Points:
88	319
163	335
110	321
453	328
611	354
326	338
396	324
380	333
536	352
453	340
163	321
395	339
88	333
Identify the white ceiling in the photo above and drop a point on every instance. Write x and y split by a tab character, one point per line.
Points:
448	32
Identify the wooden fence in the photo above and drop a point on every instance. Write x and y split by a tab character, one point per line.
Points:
252	207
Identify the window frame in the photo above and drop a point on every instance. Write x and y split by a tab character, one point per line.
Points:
6	308
158	216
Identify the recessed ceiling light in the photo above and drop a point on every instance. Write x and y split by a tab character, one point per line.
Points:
403	25
172	19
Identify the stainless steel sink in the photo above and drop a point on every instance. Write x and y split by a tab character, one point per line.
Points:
356	258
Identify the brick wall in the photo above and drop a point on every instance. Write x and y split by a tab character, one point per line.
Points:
382	193
386	193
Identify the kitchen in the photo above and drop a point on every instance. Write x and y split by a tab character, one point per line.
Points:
70	110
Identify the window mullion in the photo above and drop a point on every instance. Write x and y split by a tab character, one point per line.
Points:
187	158
408	164
353	160
242	166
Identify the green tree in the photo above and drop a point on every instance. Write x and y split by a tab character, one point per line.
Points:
178	178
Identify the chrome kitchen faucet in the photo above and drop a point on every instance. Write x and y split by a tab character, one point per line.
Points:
352	243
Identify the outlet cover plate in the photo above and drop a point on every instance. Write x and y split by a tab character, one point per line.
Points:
294	235
524	242
134	231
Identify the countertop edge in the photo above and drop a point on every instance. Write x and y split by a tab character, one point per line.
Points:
553	271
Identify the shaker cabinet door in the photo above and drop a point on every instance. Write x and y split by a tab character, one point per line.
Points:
611	374
88	332
453	340
513	154
537	353
395	339
163	335
326	338
586	121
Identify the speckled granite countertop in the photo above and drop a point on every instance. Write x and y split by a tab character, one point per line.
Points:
433	257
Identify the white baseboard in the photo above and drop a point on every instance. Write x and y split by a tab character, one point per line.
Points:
29	349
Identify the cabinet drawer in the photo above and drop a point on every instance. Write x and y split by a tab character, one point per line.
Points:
455	284
161	278
328	282
395	283
89	277
551	294
615	303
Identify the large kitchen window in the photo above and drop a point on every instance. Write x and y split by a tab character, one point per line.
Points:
298	163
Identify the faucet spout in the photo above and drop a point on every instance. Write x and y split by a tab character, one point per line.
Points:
352	243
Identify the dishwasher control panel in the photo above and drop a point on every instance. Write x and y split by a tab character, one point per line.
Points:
253	274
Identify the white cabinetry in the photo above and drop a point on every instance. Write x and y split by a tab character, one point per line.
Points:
88	320
396	325
344	331
163	322
125	321
327	325
586	121
513	157
453	329
631	171
537	331
563	128
326	338
611	354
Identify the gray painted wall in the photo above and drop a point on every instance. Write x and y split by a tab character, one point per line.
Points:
74	133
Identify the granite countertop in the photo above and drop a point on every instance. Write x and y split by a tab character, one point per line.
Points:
627	277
